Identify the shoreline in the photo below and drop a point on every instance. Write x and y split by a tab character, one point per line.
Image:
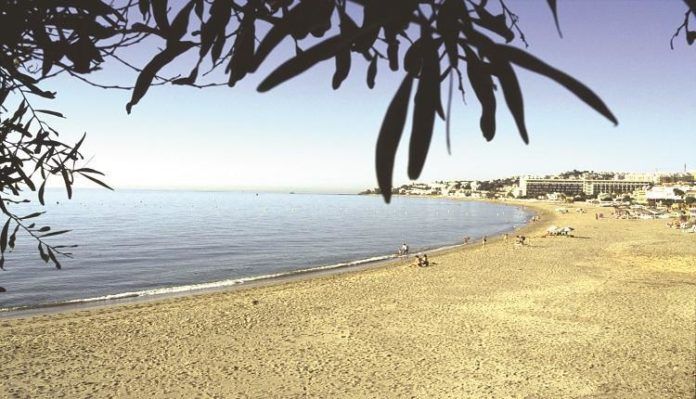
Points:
235	285
608	313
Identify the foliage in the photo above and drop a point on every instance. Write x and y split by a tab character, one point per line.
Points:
431	42
35	36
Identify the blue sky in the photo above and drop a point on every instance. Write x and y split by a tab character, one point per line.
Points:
303	136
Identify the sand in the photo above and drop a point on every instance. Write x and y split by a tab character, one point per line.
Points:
608	314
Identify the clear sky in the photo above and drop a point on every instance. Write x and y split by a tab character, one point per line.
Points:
303	136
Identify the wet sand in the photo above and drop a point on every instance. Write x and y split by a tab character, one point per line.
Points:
608	314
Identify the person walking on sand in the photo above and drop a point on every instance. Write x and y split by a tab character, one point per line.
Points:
484	240
404	249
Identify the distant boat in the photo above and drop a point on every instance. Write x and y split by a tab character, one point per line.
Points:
292	192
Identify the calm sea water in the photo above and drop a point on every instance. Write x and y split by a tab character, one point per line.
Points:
150	242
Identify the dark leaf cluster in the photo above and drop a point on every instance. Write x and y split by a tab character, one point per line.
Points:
428	41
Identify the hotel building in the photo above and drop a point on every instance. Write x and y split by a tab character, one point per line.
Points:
535	187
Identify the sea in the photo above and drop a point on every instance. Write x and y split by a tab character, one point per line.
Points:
138	243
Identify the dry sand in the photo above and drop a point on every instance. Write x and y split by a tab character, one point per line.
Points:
609	314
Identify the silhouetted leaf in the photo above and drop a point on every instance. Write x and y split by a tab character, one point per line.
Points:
32	215
494	23
53	258
534	64
448	119
393	54
99	182
303	61
390	135
512	93
372	72
482	83
148	73
189	80
3	236
89	170
413	59
181	22
300	20
43	254
3	95
691	4
144	6
159	12
68	183
199	8
220	12
41	192
690	37
2	261
55	233
426	103
554	11
49	112
448	26
13	237
342	68
73	154
243	57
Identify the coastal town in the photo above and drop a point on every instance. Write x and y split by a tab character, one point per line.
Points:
606	188
631	195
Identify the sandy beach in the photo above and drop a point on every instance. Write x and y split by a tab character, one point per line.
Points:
610	313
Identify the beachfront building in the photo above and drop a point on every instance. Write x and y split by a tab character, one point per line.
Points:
667	193
536	187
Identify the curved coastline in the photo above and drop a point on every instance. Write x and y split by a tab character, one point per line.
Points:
244	283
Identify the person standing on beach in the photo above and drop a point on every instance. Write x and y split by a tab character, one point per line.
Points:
484	240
